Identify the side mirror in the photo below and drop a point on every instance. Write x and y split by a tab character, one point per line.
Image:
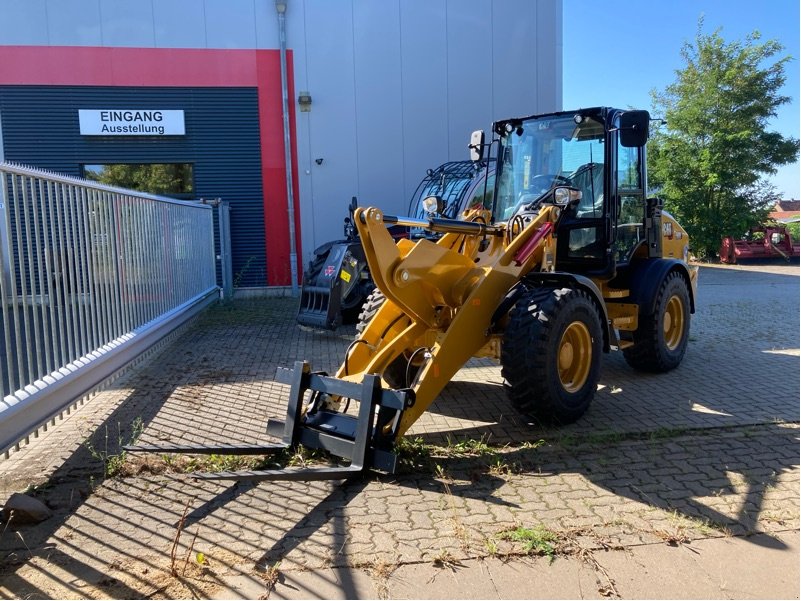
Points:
634	128
476	145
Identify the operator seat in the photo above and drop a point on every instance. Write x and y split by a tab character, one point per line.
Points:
589	178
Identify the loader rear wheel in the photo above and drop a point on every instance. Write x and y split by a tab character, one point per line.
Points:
661	338
551	354
396	374
353	304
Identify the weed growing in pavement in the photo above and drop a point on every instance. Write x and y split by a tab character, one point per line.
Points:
302	457
709	527
705	526
219	463
413	455
605	437
500	467
113	456
536	541
662	433
380	572
468	447
271	575
674	537
215	463
445	559
439	472
416	456
533	444
567	441
35	489
178	529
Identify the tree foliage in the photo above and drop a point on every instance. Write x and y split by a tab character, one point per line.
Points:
154	178
712	156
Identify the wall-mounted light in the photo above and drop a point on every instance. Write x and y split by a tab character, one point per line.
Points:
304	101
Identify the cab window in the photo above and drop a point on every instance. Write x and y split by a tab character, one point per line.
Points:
631	203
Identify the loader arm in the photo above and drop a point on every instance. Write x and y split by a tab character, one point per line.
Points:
445	291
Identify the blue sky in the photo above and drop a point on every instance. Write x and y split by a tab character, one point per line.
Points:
617	51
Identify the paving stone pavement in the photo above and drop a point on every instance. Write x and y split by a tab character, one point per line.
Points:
707	452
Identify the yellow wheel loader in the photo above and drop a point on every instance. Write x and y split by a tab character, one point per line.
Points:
568	259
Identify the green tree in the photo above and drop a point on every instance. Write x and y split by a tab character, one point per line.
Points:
711	158
155	178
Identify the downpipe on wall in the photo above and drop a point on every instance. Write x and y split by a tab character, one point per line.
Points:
280	9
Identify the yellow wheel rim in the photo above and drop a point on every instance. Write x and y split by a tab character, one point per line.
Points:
673	323
575	356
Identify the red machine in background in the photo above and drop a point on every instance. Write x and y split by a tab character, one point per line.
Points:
763	242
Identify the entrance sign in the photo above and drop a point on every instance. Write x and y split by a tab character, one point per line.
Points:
131	122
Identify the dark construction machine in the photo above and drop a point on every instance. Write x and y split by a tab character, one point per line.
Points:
337	281
571	260
763	242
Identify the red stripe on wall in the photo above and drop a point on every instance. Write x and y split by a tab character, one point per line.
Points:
174	67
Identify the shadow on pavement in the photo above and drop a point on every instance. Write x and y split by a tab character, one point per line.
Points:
703	441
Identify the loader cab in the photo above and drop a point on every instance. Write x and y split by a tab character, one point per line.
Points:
598	152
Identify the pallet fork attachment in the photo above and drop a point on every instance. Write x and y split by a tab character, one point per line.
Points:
365	439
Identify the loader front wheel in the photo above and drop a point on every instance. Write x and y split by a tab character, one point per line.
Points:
551	354
661	338
399	373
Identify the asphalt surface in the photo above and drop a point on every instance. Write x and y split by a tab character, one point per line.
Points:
679	485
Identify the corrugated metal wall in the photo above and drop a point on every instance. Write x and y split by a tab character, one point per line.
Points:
398	85
40	128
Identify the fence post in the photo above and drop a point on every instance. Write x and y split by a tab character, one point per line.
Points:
6	275
224	223
5	246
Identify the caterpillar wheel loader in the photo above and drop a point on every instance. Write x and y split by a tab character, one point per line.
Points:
572	260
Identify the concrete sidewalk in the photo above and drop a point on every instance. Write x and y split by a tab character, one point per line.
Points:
719	568
680	485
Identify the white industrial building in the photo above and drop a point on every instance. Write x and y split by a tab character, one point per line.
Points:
379	91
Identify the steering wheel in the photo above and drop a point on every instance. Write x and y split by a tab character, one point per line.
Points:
545	182
540	186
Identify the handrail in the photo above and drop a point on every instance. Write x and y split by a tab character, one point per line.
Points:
90	277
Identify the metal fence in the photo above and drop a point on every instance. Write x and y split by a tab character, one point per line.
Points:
91	277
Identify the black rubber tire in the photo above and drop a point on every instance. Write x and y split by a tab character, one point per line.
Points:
353	304
530	354
650	351
370	307
395	374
